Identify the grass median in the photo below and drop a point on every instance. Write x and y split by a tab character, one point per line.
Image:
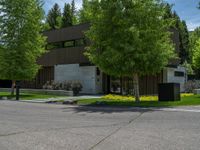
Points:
186	100
29	96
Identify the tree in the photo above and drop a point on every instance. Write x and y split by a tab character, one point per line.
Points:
181	26
168	12
85	12
54	17
129	44
196	54
73	12
184	42
67	19
193	46
193	37
21	39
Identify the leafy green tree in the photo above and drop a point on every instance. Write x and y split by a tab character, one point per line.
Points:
196	54
194	43
21	39
54	17
188	67
67	19
193	37
85	13
129	44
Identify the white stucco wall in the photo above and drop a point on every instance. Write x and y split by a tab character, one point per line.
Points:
85	74
169	76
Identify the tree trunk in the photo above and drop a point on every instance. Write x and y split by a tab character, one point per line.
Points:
13	87
136	87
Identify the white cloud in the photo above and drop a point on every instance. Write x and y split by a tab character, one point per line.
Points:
192	26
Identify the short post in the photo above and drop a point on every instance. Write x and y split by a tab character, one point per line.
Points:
17	90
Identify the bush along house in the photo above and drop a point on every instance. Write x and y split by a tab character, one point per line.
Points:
65	61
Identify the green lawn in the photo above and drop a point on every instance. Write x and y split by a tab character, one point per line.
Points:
185	101
28	96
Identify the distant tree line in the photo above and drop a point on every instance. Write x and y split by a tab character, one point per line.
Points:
70	16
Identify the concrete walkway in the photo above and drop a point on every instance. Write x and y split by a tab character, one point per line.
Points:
70	98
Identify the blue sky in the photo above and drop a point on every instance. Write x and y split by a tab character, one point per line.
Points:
186	9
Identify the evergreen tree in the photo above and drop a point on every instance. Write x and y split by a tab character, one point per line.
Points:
54	17
125	43
168	12
67	19
181	26
184	42
21	40
73	12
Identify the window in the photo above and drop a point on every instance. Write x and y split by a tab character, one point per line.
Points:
80	42
54	45
69	44
179	74
66	44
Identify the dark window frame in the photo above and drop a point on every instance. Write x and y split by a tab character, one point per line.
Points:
74	43
179	74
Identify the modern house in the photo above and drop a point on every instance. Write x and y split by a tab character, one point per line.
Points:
65	61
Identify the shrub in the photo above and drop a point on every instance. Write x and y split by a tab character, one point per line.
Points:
132	98
74	86
191	85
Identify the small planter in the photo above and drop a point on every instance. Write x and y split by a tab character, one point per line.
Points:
76	92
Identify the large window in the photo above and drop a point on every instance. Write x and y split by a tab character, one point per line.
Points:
66	44
80	42
54	45
179	74
69	44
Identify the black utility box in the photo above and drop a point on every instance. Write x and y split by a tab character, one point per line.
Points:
169	92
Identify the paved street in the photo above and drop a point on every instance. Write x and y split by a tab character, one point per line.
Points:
28	126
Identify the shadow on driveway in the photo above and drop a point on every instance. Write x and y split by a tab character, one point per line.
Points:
108	109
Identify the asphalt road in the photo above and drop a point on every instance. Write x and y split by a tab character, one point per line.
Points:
28	126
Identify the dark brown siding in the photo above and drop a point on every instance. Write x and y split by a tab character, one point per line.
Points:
65	34
76	54
45	74
149	84
64	56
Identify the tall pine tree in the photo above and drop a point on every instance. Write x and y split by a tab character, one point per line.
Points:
181	26
73	12
184	42
67	19
54	17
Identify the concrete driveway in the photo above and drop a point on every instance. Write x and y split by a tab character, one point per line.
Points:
28	126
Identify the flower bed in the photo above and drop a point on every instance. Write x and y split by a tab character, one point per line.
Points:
142	98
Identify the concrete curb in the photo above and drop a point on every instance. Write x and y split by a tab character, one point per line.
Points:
117	108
